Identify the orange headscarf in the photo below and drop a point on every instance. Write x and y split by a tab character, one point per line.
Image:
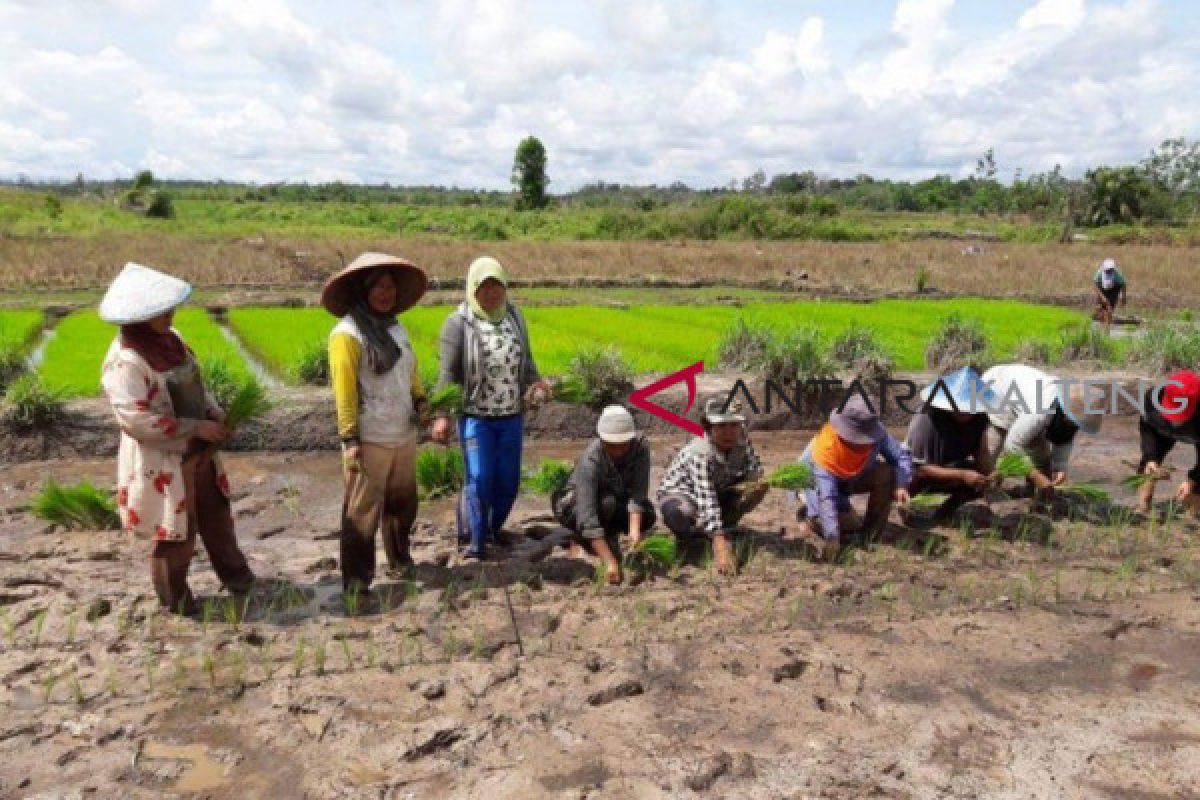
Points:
836	456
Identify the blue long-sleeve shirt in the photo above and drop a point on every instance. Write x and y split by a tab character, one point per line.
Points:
830	494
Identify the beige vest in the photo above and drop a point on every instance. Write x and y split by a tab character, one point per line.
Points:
385	404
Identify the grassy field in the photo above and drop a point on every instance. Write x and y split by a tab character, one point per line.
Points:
18	329
75	353
665	338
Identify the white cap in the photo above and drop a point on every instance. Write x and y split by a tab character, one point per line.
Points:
615	425
140	293
1108	264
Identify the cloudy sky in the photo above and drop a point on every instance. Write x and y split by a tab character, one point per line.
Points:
635	91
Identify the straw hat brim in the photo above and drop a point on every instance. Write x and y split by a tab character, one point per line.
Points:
141	293
341	290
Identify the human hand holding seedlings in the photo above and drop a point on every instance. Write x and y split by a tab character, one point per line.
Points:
352	457
211	431
440	432
1185	490
901	496
973	479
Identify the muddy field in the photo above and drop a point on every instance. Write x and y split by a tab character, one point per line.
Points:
1021	656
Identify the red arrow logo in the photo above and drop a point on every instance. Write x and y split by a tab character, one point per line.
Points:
639	398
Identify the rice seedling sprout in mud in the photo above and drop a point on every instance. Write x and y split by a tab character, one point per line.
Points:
10	628
319	657
344	640
49	681
298	658
550	476
1088	492
39	625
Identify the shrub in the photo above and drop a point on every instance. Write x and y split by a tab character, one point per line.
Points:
796	356
78	507
1165	347
1033	351
440	471
598	376
311	366
743	344
551	475
161	206
958	343
860	352
1085	342
31	405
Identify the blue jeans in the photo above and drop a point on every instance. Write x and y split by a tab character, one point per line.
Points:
492	455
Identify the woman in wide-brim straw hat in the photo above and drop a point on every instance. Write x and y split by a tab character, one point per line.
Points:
171	486
485	349
379	400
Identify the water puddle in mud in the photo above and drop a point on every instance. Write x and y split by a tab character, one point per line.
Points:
261	372
39	351
205	774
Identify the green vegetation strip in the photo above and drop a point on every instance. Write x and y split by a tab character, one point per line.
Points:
19	329
665	338
75	354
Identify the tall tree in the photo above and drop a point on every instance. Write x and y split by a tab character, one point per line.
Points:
529	174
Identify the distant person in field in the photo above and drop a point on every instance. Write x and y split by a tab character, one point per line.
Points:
853	454
1169	416
1045	432
379	401
171	485
484	348
710	483
947	439
1109	285
606	494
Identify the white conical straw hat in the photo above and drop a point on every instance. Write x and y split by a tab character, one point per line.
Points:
140	293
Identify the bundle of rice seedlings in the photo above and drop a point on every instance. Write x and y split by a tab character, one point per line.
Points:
1139	479
220	380
440	471
249	401
743	344
1013	465
78	507
926	502
447	400
658	550
571	390
311	366
790	476
960	342
604	375
29	404
1087	492
551	475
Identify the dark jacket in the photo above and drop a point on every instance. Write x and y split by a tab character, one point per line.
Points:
1158	435
595	475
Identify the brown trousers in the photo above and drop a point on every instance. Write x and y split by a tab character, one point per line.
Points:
210	516
381	494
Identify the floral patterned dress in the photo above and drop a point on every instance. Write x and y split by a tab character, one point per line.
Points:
151	495
500	394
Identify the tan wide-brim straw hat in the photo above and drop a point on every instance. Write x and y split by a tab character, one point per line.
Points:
140	293
341	290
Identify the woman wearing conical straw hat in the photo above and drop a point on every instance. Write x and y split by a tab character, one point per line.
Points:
484	348
379	399
170	486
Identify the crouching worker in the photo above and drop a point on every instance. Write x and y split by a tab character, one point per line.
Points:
713	482
1178	397
1046	432
947	439
853	454
606	492
171	486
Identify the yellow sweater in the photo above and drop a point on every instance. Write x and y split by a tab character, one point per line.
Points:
345	359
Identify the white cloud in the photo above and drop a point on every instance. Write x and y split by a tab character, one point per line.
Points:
1053	13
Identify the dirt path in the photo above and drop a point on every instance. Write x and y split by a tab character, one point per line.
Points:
1036	659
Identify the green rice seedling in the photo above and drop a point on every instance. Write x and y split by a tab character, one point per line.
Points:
110	682
248	402
208	612
795	356
1033	351
78	507
72	627
569	389
927	502
49	681
478	644
77	689
959	342
859	350
412	592
39	625
447	400
1163	348
311	366
346	654
220	379
30	404
440	471
1085	342
149	669
319	657
1013	465
660	550
298	658
790	476
239	667
353	601
551	475
10	628
1086	491
210	669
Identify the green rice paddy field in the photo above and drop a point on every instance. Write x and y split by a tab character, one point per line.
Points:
19	329
655	338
